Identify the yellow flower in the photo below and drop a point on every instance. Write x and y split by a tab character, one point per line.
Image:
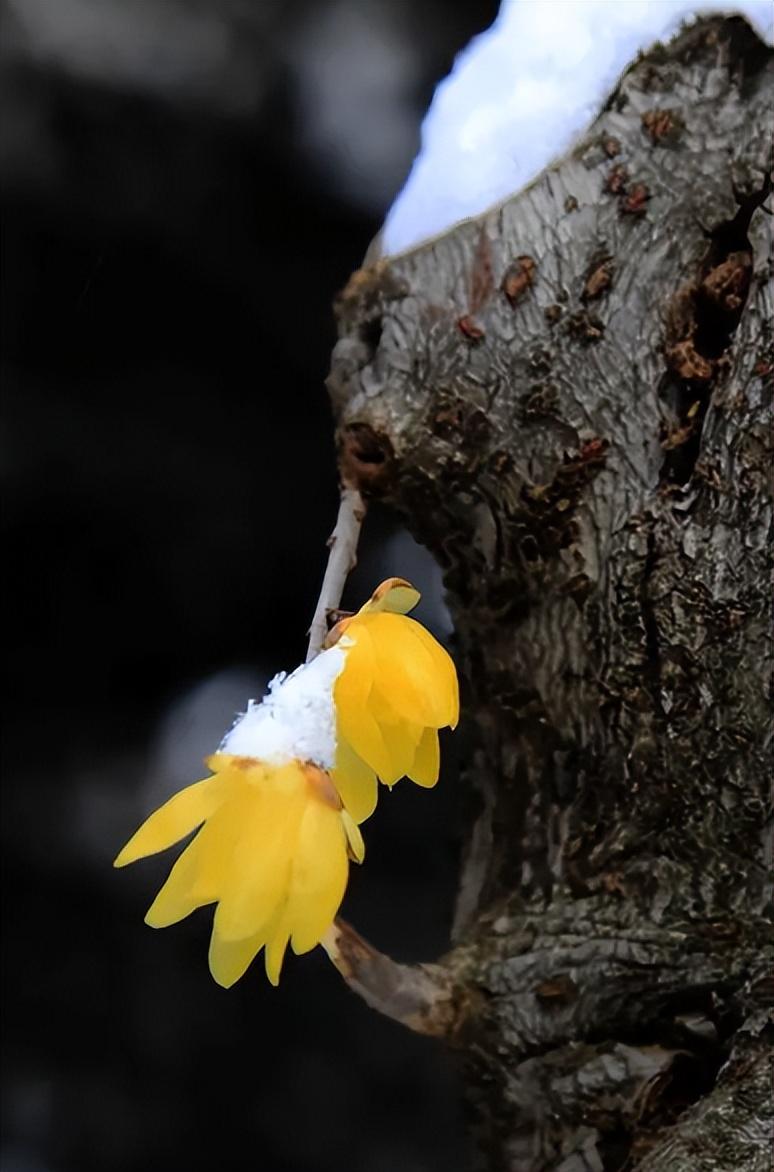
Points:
397	688
272	853
277	820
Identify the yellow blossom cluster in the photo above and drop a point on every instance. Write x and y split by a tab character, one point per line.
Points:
277	822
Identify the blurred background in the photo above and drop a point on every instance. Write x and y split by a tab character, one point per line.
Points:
186	185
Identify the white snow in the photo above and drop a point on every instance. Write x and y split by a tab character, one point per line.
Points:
521	92
296	720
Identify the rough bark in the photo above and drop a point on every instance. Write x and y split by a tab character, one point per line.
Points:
569	400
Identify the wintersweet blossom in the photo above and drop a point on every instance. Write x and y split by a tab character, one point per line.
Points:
398	688
277	820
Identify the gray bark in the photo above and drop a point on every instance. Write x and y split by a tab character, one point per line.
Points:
569	400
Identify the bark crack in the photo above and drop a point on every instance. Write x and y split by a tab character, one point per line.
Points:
701	324
650	625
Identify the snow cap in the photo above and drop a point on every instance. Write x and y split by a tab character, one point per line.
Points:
296	720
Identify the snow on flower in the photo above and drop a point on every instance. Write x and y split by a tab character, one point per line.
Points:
277	821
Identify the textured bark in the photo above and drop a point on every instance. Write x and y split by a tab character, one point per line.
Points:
569	400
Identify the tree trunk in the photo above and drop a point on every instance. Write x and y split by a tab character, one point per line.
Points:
568	398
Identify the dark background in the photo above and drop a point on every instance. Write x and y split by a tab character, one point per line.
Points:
185	188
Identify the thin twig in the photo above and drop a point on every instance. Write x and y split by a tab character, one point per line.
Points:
341	559
418	996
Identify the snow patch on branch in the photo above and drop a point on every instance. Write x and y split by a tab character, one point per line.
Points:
521	92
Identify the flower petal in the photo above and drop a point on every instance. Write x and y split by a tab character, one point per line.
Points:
354	837
183	892
275	950
355	781
448	691
258	874
401	667
356	724
198	876
319	876
396	595
409	669
427	761
186	810
230	959
401	735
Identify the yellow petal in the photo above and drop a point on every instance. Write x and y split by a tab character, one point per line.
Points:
402	736
319	876
402	668
356	724
183	892
406	670
427	762
275	951
355	781
256	881
354	837
198	876
396	595
176	818
446	673
230	959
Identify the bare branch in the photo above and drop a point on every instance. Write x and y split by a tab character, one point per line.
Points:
417	996
341	559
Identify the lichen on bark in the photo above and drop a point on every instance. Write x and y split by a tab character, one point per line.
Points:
569	401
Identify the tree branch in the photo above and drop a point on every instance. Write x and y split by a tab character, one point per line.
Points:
418	996
341	559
